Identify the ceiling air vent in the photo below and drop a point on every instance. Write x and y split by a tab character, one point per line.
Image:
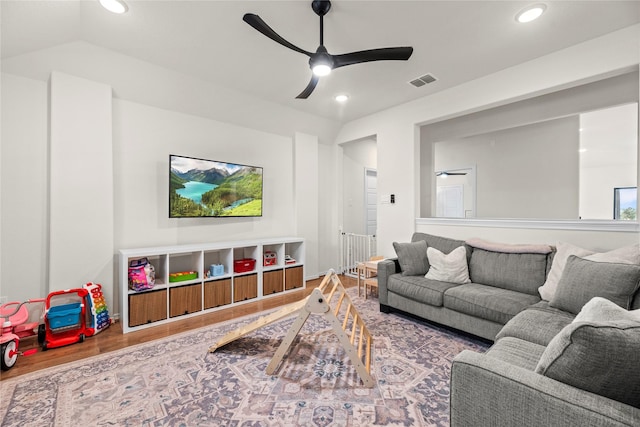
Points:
423	80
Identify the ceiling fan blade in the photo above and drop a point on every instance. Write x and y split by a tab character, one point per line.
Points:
450	173
310	87
256	22
383	54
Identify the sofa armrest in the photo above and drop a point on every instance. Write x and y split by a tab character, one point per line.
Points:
489	392
386	268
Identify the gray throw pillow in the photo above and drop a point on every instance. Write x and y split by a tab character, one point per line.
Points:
597	355
412	258
582	280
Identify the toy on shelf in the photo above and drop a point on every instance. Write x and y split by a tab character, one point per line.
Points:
270	258
65	323
182	276
97	312
289	260
14	324
216	270
244	265
142	274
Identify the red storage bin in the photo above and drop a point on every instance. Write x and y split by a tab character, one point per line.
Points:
244	265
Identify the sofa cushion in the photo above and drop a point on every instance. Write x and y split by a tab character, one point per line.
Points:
517	352
412	257
451	267
538	324
419	288
443	244
487	302
518	272
596	353
563	252
625	255
582	280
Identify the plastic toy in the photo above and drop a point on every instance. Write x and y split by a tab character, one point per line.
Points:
216	270
181	276
244	265
142	274
270	258
65	323
14	324
97	311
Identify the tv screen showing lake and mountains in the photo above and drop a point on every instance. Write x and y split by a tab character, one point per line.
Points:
208	188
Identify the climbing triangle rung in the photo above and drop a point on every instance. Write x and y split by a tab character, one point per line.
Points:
285	311
319	303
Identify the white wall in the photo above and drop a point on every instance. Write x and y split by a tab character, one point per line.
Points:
139	81
143	139
152	91
155	112
357	155
24	168
306	181
398	140
608	154
330	205
525	172
559	157
80	184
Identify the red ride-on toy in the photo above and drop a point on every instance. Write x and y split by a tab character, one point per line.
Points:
14	324
65	323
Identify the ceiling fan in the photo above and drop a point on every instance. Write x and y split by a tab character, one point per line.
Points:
445	173
322	62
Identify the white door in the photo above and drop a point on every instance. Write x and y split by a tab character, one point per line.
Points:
371	199
450	201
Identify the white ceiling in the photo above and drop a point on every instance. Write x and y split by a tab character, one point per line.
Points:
456	41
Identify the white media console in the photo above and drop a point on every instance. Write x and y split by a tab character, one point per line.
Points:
171	300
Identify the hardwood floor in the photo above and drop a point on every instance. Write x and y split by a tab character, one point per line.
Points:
112	338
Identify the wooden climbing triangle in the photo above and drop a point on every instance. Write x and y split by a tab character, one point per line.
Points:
329	298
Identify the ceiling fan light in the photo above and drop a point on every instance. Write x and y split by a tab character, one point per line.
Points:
115	6
321	70
531	13
342	98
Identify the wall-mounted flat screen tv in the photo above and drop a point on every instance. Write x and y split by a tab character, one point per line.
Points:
208	188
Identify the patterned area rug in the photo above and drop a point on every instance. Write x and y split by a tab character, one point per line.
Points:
176	382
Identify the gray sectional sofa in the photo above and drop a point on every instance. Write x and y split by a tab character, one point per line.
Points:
570	360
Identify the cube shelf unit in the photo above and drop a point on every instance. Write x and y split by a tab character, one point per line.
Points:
170	300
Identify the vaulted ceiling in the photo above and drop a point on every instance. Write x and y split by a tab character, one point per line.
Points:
455	41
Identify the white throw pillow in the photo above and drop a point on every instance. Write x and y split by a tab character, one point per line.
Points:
602	310
625	255
563	252
450	268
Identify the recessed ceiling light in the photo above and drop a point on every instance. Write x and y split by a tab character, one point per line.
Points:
342	98
115	6
531	13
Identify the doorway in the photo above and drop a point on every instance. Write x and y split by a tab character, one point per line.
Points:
359	189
